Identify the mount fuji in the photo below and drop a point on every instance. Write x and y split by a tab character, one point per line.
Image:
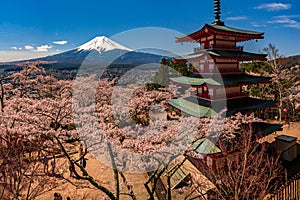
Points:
101	44
100	51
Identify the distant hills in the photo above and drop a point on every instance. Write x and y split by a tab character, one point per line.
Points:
293	60
99	52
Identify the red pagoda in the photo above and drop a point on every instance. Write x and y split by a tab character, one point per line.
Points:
217	81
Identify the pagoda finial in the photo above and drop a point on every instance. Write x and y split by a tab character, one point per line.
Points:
217	6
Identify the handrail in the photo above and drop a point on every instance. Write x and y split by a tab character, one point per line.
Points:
221	47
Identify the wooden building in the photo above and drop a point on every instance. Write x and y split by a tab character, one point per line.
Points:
217	80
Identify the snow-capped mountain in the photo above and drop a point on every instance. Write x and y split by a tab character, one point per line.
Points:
102	44
100	51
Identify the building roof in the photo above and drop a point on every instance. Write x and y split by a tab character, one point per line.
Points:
194	81
218	80
178	175
262	129
205	146
207	30
236	79
192	108
236	30
181	170
286	138
242	55
247	104
198	107
229	54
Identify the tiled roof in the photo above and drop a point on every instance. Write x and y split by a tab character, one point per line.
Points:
230	54
223	79
205	146
194	81
205	108
240	34
192	108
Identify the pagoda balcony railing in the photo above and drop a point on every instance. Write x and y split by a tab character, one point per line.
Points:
220	97
221	71
198	49
230	71
214	46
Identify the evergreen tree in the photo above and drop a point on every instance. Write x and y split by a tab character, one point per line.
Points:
169	69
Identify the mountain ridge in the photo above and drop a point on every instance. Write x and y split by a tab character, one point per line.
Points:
98	51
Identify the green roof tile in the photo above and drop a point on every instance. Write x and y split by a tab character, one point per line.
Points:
226	80
192	108
223	54
235	30
205	146
194	81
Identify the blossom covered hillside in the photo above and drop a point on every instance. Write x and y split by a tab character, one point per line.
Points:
125	127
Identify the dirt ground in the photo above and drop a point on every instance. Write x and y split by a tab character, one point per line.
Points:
79	190
292	129
104	175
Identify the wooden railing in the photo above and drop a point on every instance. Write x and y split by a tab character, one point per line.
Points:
223	47
289	191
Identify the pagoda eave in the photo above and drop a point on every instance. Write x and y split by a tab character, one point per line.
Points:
205	108
226	80
195	81
191	108
207	30
262	129
223	54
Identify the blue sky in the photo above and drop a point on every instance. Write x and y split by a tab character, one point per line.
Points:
35	28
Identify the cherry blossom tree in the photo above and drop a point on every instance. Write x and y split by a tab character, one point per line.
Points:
245	168
27	121
282	77
283	86
125	126
116	109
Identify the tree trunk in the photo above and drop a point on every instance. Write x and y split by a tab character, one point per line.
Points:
280	103
2	96
115	169
169	196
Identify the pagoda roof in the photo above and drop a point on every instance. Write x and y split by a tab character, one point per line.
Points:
227	54
205	146
199	107
178	175
216	29
233	106
227	80
262	129
191	108
243	79
194	81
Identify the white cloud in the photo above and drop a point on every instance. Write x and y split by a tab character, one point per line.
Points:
258	25
7	56
236	18
274	6
286	21
16	48
28	47
62	42
43	48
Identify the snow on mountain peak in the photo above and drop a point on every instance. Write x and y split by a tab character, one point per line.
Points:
102	44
